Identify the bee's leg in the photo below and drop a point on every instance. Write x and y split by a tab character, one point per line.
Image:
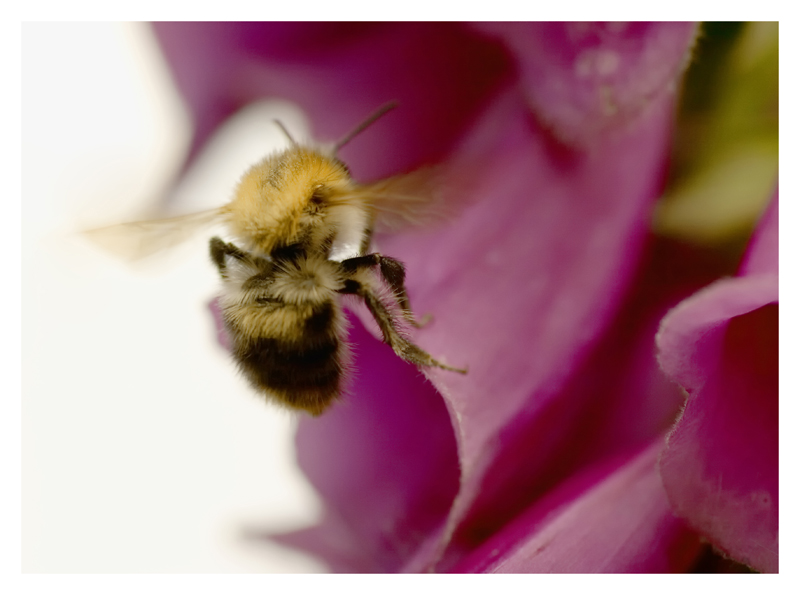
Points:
220	250
402	346
394	273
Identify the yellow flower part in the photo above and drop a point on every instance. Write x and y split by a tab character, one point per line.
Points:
725	158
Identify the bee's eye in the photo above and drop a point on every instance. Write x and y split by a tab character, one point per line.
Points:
317	196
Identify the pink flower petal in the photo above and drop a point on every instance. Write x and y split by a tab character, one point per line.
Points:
524	282
584	79
441	74
614	518
762	254
223	338
720	468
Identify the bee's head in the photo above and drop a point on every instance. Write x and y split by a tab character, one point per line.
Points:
287	199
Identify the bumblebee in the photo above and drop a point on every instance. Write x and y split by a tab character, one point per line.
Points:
285	320
303	228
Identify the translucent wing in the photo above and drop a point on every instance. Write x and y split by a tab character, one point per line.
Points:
139	239
413	199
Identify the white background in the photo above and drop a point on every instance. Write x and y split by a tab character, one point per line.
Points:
142	448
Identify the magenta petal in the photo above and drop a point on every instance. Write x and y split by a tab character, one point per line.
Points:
762	254
527	278
720	468
613	519
441	74
583	79
333	541
223	338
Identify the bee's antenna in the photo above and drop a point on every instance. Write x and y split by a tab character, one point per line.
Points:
286	132
365	124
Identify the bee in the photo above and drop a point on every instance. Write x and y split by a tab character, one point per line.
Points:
284	317
303	229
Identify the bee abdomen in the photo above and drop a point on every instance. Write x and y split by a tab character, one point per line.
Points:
305	374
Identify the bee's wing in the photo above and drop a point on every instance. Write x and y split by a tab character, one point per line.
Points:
139	239
411	199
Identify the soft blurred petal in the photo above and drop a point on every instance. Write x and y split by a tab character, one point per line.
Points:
525	280
441	74
615	518
720	468
585	79
223	338
762	254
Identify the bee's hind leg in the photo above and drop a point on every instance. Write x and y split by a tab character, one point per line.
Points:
402	346
394	273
